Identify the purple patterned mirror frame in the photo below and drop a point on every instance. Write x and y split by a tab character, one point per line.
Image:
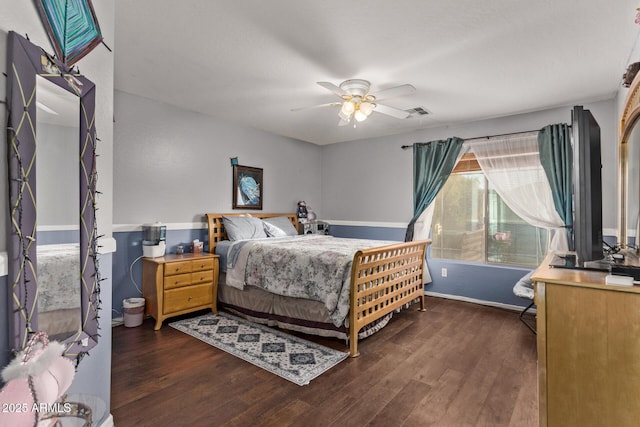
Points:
25	62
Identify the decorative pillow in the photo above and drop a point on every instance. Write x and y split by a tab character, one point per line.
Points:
243	227
279	226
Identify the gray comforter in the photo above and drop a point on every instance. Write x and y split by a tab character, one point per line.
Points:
314	267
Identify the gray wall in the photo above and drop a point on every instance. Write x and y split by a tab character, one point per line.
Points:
172	165
93	374
57	174
371	180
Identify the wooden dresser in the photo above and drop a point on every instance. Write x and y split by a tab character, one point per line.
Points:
178	284
588	349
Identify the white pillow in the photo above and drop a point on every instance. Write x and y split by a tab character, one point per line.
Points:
243	227
279	226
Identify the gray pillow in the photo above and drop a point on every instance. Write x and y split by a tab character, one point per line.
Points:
279	226
243	227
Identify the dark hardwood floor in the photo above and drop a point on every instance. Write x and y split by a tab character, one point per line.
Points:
458	364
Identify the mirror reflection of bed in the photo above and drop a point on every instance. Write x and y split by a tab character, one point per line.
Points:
59	290
57	201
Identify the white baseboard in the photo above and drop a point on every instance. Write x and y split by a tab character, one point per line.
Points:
481	302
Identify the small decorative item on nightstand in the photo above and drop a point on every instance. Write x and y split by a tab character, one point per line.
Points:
197	246
302	211
154	240
314	227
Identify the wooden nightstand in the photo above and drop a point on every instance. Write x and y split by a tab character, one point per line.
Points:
178	284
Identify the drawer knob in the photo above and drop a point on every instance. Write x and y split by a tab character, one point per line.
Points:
190	298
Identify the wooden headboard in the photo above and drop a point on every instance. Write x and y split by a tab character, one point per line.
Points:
218	233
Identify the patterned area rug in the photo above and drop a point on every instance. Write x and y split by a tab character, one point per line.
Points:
287	356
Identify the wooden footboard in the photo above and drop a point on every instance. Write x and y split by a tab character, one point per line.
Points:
384	279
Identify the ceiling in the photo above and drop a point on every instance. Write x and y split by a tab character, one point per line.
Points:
251	62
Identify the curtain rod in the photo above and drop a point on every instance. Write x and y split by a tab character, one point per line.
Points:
404	147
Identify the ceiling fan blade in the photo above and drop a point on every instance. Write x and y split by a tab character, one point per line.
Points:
391	111
330	104
396	91
333	88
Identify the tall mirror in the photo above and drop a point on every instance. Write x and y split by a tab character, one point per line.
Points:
629	168
633	179
53	277
57	208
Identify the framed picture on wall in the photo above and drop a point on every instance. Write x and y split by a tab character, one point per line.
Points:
247	187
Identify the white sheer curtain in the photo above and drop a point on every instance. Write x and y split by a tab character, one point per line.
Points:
421	231
512	166
422	227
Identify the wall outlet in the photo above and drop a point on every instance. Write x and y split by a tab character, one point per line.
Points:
444	272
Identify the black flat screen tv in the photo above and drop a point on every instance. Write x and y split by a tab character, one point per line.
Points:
587	187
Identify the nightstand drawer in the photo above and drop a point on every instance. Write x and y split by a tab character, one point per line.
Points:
187	297
202	277
200	265
179	267
177	281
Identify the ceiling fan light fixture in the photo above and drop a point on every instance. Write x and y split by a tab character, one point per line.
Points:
347	108
343	116
367	108
360	116
357	103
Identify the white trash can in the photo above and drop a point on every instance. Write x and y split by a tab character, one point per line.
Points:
133	309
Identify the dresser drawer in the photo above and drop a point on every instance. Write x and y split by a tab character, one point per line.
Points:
179	267
200	265
174	285
202	277
187	297
177	280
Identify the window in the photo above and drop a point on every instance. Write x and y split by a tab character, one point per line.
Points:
472	223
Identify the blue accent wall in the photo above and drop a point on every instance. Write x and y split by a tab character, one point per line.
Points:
484	282
478	281
360	232
470	280
57	237
129	244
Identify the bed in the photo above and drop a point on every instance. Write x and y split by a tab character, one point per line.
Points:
378	278
59	308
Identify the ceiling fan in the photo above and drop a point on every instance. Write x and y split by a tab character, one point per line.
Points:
357	103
